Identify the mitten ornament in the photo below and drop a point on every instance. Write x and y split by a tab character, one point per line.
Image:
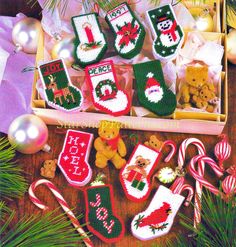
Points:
100	213
106	93
58	89
73	160
153	93
90	42
168	34
136	175
129	32
158	218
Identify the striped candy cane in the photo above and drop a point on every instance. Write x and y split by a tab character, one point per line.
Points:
173	146
201	167
63	204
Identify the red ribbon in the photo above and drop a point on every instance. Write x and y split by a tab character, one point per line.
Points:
171	31
60	91
112	142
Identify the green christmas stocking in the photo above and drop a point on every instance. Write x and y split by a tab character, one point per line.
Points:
100	214
129	32
167	33
90	42
153	93
58	89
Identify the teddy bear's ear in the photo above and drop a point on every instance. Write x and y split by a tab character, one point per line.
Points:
148	161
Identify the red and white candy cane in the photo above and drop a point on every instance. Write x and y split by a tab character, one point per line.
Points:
207	160
63	204
179	186
173	146
198	188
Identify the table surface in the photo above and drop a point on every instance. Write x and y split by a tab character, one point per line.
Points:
125	208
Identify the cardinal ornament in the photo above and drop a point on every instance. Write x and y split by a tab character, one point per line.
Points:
168	34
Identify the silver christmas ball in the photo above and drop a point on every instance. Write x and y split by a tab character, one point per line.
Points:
29	134
26	33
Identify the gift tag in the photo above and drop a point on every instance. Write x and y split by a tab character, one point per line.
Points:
168	34
106	93
58	89
73	160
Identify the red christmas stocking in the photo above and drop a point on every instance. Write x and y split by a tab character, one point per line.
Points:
106	93
100	213
73	160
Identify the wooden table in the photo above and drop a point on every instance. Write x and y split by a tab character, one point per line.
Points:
126	209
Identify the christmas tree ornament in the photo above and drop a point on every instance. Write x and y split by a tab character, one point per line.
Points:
231	49
153	93
62	203
64	49
129	32
222	150
168	34
26	33
158	218
136	174
166	175
49	168
100	212
106	93
229	183
73	159
203	19
28	134
90	43
58	89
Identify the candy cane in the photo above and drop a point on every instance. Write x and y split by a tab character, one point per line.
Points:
173	146
63	204
218	171
201	167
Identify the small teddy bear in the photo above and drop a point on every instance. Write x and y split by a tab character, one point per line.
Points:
109	145
154	143
49	168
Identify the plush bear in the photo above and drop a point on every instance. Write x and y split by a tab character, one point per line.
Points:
154	143
109	145
49	168
196	77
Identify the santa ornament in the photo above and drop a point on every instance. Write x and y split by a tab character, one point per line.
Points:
129	32
153	94
168	34
107	95
90	42
58	89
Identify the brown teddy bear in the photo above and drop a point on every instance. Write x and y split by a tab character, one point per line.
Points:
154	143
49	168
109	145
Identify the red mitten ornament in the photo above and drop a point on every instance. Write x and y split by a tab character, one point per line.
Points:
73	160
158	218
100	213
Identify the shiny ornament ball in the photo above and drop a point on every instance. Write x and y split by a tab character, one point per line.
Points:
26	33
204	21
166	175
231	46
28	133
64	49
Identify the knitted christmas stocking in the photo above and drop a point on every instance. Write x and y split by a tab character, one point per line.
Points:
167	33
106	93
90	42
129	32
100	213
158	218
58	89
73	160
153	93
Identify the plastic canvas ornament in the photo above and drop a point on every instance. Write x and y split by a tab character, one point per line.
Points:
100	212
90	42
153	93
168	34
107	95
158	218
58	89
73	160
129	32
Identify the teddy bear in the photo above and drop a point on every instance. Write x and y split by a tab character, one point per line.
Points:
49	168
154	143
195	78
109	145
